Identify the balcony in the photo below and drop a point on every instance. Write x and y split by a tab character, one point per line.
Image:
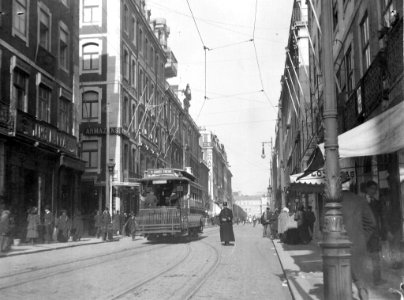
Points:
6	123
171	66
367	95
394	51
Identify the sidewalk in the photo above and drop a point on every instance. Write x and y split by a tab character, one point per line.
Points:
302	265
28	248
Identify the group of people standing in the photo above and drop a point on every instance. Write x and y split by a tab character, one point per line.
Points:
106	226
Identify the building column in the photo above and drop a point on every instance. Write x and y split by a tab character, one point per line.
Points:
2	168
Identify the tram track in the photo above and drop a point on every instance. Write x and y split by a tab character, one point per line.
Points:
92	261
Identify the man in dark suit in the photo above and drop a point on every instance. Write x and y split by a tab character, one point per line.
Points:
48	222
226	225
359	224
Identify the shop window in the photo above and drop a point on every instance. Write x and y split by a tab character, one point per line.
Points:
90	154
91	59
125	18
20	88
90	108
44	96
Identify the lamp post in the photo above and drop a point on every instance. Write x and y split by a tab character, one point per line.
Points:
111	167
335	245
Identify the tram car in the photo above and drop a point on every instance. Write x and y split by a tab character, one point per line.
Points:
170	204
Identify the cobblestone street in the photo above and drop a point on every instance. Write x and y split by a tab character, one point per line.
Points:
202	269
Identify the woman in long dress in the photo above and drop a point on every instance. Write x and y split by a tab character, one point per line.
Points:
63	225
32	227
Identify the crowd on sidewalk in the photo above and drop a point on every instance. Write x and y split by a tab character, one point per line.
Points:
47	227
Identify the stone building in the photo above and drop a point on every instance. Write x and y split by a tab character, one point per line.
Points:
39	163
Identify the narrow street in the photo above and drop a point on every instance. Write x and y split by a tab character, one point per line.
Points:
201	269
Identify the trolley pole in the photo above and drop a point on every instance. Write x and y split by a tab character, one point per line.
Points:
335	245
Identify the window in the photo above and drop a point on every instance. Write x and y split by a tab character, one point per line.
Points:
125	157
44	96
125	67
365	43
89	154
140	40
44	28
20	87
20	18
63	48
125	18
90	106
126	112
133	77
134	31
152	57
91	11
91	59
65	115
349	70
145	50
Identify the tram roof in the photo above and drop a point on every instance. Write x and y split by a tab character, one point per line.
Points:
167	174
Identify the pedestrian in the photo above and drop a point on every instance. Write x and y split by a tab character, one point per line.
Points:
274	224
292	233
98	223
302	225
63	227
359	224
77	226
48	223
132	225
310	219
106	226
5	230
265	221
116	221
374	244
283	219
254	221
33	224
226	225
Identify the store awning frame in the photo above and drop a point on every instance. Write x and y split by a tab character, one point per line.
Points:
312	183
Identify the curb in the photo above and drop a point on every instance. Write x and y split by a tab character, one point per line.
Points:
284	272
11	253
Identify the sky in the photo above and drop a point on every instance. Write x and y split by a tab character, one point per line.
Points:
236	109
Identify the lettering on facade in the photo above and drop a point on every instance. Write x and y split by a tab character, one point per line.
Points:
102	131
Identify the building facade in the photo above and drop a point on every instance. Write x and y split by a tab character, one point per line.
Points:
220	176
39	99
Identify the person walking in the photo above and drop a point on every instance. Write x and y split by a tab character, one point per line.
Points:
116	222
48	222
5	230
265	221
33	224
63	227
273	223
132	225
98	223
302	225
106	226
254	221
77	226
360	225
283	219
226	225
310	219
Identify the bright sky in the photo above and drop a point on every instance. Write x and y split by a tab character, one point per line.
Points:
236	110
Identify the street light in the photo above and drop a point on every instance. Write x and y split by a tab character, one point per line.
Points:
111	167
263	149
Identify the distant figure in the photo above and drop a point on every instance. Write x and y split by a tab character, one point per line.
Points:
226	225
265	221
301	225
116	221
77	227
106	226
48	222
151	200
273	223
5	230
310	219
254	221
132	226
98	224
32	227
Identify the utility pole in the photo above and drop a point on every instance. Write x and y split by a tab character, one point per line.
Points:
335	245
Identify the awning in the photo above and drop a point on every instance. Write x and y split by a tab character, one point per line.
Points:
380	135
125	184
313	183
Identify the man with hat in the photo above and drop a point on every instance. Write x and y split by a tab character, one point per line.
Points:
266	222
359	224
48	221
226	225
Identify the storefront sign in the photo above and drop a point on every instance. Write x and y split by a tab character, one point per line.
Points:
89	131
44	132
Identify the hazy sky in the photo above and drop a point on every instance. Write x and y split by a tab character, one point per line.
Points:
236	110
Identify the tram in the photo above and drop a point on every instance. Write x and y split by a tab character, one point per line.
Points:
170	204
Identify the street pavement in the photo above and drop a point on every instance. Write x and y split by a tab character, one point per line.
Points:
201	269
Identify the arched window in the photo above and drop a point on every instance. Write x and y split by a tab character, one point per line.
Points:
91	57
90	102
